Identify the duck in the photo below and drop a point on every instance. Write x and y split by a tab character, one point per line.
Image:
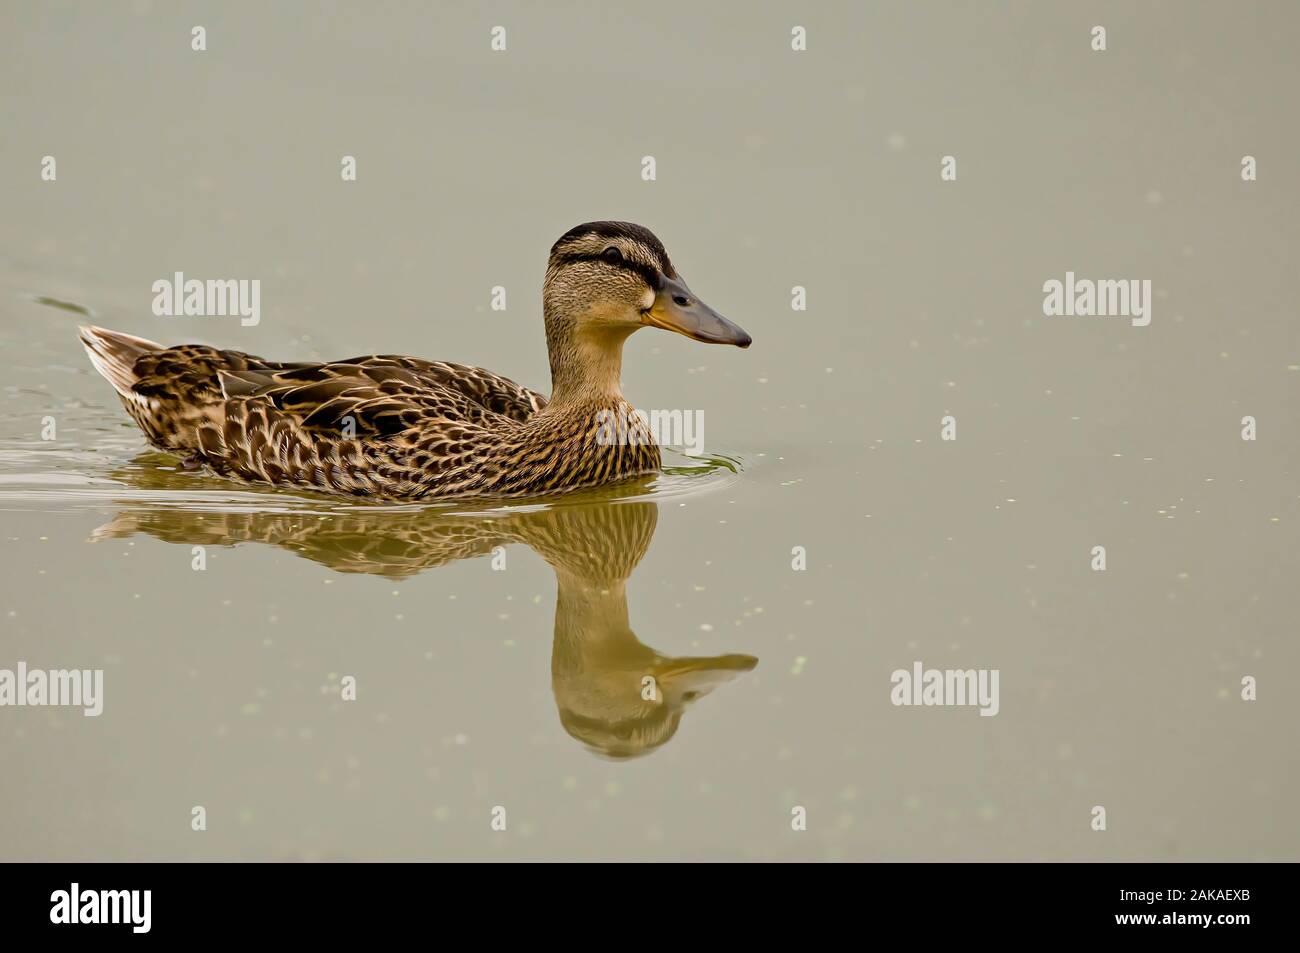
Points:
397	428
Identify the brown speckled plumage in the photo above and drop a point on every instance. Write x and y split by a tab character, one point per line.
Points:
401	428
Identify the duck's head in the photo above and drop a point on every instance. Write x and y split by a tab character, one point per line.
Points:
605	280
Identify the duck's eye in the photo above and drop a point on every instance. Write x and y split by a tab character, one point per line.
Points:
612	256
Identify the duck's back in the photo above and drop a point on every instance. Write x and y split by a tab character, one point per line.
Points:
374	425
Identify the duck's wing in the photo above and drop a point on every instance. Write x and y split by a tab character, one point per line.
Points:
370	427
381	395
171	390
376	425
376	397
498	394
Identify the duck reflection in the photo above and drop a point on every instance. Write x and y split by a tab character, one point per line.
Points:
615	694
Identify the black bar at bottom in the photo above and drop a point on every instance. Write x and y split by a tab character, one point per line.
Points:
214	901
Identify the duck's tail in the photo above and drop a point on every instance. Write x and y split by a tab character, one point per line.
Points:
114	355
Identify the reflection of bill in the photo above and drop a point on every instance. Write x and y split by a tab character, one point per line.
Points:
599	667
615	694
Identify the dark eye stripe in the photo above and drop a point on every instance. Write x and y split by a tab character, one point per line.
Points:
647	272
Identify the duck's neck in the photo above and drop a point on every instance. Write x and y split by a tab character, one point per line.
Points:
586	364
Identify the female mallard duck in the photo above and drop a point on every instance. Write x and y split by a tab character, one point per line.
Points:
402	428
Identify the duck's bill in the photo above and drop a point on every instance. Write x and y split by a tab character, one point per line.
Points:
677	309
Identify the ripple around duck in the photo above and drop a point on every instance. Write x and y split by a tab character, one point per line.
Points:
39	476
